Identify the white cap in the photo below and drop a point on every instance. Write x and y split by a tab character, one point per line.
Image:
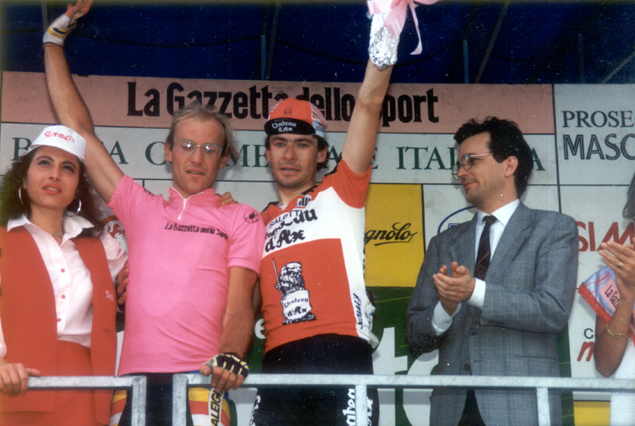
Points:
64	138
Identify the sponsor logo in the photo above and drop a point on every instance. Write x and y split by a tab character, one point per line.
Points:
251	217
277	236
304	201
254	102
398	234
357	302
51	134
295	301
284	126
169	226
350	409
215	407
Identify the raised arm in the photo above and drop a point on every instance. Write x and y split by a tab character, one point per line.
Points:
361	139
72	112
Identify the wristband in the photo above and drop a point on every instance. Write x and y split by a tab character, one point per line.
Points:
231	362
60	28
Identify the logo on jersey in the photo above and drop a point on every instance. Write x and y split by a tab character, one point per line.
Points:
350	410
304	201
279	236
251	217
295	301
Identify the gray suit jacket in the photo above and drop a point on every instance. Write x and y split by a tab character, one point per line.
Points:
530	285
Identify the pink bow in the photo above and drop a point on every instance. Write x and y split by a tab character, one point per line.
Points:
396	18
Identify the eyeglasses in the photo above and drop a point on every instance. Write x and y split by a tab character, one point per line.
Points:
466	162
209	150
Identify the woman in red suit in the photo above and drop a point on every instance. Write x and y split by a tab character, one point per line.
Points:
57	300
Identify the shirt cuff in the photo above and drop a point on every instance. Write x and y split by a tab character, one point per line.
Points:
478	295
441	321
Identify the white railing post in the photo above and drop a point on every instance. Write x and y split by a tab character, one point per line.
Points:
542	395
179	399
361	405
139	396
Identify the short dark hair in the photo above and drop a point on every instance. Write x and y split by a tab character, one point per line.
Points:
198	111
322	145
506	140
11	207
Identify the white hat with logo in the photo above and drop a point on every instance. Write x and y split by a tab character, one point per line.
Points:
64	138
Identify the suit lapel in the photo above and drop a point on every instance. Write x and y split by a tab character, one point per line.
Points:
462	247
516	232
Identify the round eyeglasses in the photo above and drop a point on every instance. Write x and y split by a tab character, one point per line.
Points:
466	162
209	150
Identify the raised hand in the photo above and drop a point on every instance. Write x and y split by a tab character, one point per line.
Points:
621	259
62	26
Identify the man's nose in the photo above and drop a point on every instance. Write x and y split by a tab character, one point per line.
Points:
461	172
289	152
197	155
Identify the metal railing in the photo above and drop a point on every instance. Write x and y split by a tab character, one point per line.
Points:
136	383
542	385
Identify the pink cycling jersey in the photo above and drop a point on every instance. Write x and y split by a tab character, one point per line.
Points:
180	251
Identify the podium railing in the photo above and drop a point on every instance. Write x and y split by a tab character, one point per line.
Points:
136	383
542	385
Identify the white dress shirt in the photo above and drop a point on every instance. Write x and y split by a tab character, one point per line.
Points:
441	320
72	285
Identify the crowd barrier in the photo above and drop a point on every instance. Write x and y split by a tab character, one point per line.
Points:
359	382
138	385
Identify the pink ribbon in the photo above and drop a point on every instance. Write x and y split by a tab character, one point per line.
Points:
396	18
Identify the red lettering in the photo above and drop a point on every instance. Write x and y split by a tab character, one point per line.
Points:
614	233
50	134
583	241
585	346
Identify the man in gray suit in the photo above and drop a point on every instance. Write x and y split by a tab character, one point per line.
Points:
497	315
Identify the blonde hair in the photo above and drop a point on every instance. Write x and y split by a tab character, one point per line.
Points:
198	111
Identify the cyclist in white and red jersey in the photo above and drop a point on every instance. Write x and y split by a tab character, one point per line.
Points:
317	314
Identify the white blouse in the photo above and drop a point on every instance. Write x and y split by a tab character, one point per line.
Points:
71	280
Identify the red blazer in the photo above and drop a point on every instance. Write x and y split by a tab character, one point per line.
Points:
29	319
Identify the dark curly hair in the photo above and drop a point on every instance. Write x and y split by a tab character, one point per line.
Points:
506	140
12	208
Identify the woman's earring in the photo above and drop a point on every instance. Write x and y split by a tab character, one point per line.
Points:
20	195
76	212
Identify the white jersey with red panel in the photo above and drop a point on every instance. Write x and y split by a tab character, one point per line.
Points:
312	271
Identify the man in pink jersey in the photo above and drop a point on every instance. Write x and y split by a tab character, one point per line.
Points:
317	314
193	265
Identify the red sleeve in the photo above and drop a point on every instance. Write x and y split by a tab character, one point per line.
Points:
351	187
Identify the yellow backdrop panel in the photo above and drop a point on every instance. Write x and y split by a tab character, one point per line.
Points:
394	235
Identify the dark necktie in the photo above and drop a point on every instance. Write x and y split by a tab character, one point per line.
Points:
484	251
